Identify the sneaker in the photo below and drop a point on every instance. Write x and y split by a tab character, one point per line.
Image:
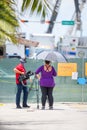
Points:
26	106
43	107
51	108
19	107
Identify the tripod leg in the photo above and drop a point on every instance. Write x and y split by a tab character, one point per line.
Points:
38	96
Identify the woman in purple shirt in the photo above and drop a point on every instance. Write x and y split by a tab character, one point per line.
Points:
46	77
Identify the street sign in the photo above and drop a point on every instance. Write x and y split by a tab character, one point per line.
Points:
68	22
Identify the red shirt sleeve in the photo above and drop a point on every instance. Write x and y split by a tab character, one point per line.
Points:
21	68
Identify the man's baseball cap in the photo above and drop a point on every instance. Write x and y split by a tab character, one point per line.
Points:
23	60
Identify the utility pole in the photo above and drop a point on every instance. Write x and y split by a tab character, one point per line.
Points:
78	12
78	15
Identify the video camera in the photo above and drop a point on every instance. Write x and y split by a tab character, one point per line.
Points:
25	76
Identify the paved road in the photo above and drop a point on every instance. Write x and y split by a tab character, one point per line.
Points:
65	116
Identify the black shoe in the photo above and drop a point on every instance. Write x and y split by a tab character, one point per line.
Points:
43	107
51	108
26	106
19	107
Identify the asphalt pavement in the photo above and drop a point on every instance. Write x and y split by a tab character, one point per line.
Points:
64	116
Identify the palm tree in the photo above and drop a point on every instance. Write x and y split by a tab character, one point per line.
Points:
8	21
43	7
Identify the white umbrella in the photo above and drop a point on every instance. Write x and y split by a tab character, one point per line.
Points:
54	56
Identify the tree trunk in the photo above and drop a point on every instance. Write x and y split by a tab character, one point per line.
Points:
54	16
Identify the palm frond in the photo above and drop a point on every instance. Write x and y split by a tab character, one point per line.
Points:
25	4
40	6
8	21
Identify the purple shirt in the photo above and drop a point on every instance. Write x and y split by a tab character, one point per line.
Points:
46	79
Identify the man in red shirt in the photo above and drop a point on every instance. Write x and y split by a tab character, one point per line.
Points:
20	70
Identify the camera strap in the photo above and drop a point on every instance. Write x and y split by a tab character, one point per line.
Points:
23	84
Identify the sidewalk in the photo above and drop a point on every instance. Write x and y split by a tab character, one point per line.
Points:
65	116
